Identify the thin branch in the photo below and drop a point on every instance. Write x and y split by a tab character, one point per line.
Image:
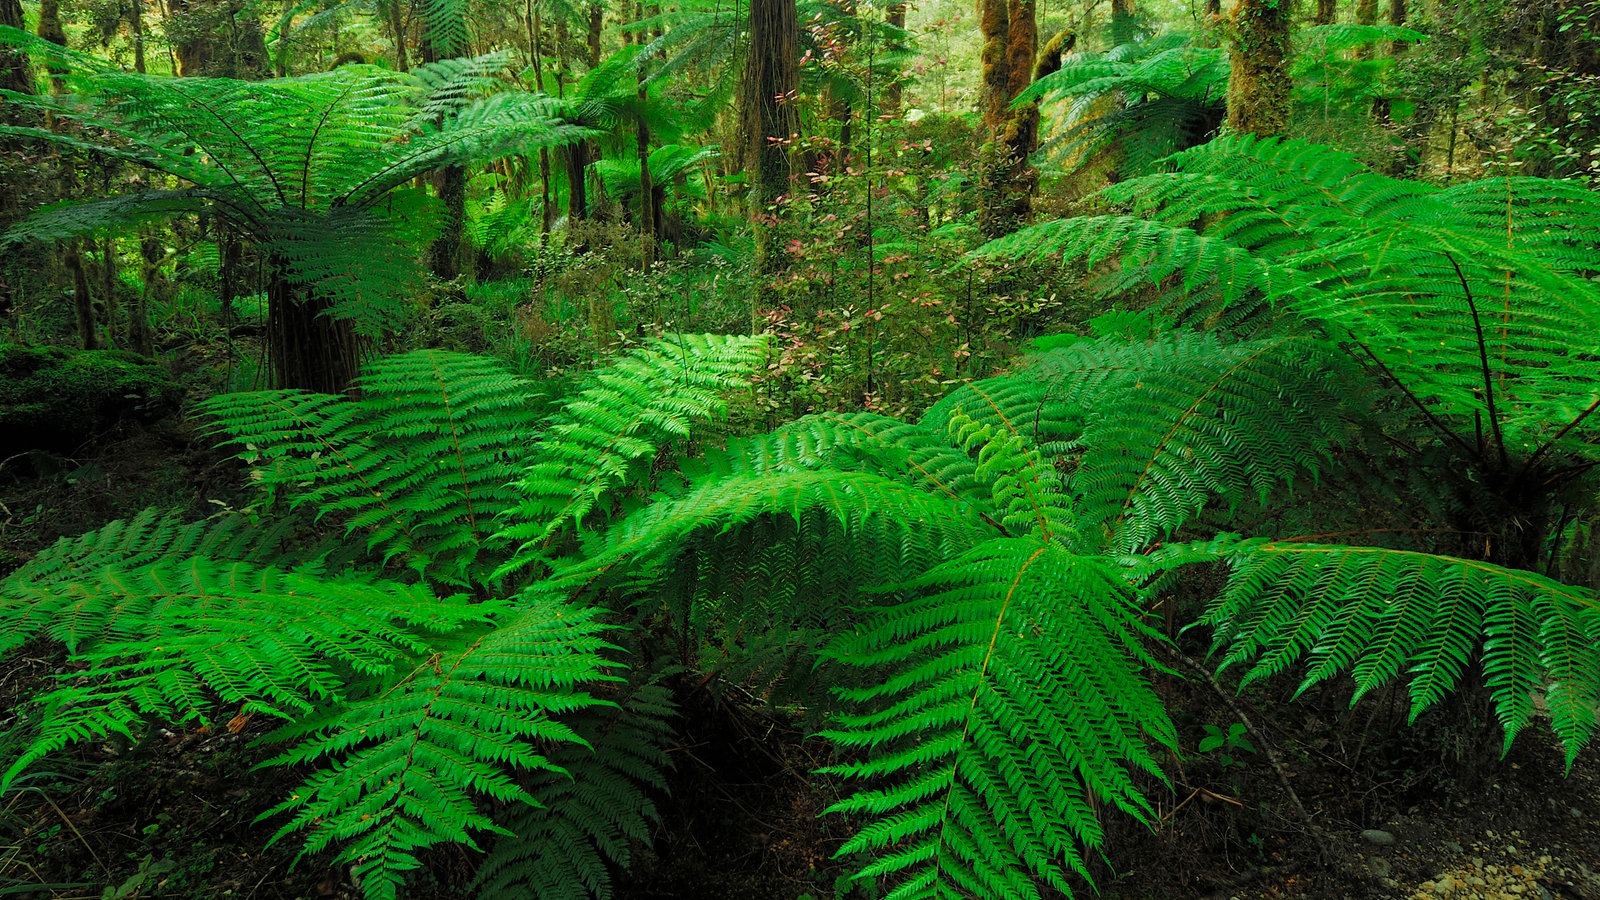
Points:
1483	362
1323	852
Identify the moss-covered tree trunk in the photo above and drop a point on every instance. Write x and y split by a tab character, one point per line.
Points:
1010	43
16	73
1327	12
1259	84
894	95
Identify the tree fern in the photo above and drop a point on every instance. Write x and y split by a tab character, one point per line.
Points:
307	169
414	714
1463	299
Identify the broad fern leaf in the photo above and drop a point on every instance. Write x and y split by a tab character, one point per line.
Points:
1381	615
422	461
403	769
598	442
1012	700
591	812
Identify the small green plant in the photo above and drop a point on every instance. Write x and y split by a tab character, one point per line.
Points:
1226	744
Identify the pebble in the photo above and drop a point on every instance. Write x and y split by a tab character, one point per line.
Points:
1475	879
1377	837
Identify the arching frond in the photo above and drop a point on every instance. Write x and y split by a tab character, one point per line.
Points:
1011	700
1383	615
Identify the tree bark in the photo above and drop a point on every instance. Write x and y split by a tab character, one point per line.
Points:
82	298
397	27
1010	44
16	72
306	349
768	119
894	94
444	256
50	29
1259	84
1327	12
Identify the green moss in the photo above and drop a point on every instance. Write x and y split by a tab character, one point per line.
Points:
55	399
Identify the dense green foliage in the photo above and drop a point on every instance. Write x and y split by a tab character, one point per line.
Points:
581	426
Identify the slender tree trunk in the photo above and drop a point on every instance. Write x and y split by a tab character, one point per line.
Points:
894	94
136	25
1397	18
50	29
108	287
82	297
547	213
154	283
16	72
647	188
397	28
1366	14
1259	83
444	256
768	119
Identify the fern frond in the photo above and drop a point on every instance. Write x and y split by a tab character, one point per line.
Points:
1013	700
650	397
1381	615
587	818
174	637
402	769
422	461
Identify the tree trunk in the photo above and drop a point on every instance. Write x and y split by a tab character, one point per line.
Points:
306	349
1366	14
136	25
1259	84
547	213
894	94
1010	44
647	188
16	72
50	29
1327	12
768	120
444	256
155	283
397	27
995	81
82	298
1122	12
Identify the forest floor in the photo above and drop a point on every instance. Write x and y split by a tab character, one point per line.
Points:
1394	817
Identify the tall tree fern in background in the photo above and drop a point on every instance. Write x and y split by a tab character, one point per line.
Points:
312	170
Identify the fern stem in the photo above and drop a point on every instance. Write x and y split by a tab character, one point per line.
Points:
1483	362
1435	421
1565	429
